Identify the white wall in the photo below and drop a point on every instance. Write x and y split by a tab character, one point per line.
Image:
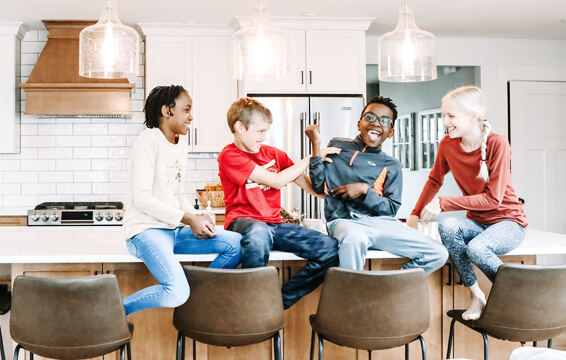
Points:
79	159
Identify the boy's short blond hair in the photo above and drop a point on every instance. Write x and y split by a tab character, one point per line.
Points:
242	110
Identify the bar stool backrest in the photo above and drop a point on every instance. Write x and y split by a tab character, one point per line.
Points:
231	307
526	303
68	318
372	310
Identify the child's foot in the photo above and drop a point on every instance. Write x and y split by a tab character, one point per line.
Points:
475	310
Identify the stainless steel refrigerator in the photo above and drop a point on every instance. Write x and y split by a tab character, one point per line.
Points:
337	116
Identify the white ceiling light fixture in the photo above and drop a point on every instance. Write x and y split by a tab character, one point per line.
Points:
407	54
260	51
109	49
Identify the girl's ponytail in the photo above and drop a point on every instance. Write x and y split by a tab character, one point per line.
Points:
485	128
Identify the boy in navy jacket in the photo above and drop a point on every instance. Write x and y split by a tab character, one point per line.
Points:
362	187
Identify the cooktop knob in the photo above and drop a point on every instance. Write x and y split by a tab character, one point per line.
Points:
109	217
35	217
54	217
118	217
44	217
99	217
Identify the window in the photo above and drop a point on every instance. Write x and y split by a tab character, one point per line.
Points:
419	151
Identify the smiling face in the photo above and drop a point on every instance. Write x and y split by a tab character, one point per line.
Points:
458	122
179	117
373	133
250	139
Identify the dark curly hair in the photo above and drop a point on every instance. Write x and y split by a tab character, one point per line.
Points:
159	96
384	101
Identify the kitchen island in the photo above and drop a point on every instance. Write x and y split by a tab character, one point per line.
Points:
76	251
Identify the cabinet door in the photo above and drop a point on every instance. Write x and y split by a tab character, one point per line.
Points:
336	61
296	81
214	91
55	271
468	343
168	62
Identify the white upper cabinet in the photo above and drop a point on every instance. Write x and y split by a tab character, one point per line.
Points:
11	35
325	57
199	59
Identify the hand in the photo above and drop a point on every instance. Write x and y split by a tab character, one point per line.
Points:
431	211
350	191
313	133
327	151
413	222
202	226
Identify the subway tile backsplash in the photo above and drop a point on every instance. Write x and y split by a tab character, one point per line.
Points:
80	159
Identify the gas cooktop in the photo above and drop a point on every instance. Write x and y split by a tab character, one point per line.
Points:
76	213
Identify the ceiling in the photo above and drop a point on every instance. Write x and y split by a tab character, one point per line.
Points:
518	19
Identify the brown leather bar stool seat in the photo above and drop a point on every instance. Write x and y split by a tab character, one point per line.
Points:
229	308
526	303
5	303
69	318
371	310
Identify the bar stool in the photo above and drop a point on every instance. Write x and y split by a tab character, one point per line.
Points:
371	310
5	302
526	303
69	318
230	308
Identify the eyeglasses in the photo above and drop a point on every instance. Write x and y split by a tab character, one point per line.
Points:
383	121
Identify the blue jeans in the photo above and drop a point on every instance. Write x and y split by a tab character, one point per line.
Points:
320	251
356	236
157	249
472	243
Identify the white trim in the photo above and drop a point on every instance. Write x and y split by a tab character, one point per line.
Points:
310	24
183	29
13	28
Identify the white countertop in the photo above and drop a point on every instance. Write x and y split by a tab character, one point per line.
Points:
105	244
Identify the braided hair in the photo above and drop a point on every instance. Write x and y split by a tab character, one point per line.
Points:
472	100
159	96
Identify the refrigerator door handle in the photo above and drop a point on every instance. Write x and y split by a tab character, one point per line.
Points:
316	118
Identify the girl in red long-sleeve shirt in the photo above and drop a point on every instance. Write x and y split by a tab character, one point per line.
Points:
480	162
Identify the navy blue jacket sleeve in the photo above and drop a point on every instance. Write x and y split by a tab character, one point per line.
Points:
317	174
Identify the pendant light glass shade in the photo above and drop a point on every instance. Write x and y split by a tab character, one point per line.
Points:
260	51
407	54
109	49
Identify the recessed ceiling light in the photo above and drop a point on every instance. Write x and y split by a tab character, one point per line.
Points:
311	13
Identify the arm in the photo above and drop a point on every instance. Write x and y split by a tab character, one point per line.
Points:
316	167
278	180
386	202
499	161
305	183
433	184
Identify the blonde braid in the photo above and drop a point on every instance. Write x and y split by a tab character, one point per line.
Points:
486	129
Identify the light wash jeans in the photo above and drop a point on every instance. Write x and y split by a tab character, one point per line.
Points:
356	236
472	243
157	249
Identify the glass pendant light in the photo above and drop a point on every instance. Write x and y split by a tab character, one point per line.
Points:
109	49
407	54
260	51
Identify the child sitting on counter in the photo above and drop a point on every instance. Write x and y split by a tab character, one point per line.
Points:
362	188
252	174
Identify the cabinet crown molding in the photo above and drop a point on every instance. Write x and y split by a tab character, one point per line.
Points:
183	29
309	24
13	28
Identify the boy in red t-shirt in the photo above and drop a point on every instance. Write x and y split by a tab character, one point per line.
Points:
251	175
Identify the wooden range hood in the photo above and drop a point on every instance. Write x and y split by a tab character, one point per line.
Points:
55	87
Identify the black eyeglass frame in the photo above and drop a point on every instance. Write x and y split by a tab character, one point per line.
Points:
383	121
